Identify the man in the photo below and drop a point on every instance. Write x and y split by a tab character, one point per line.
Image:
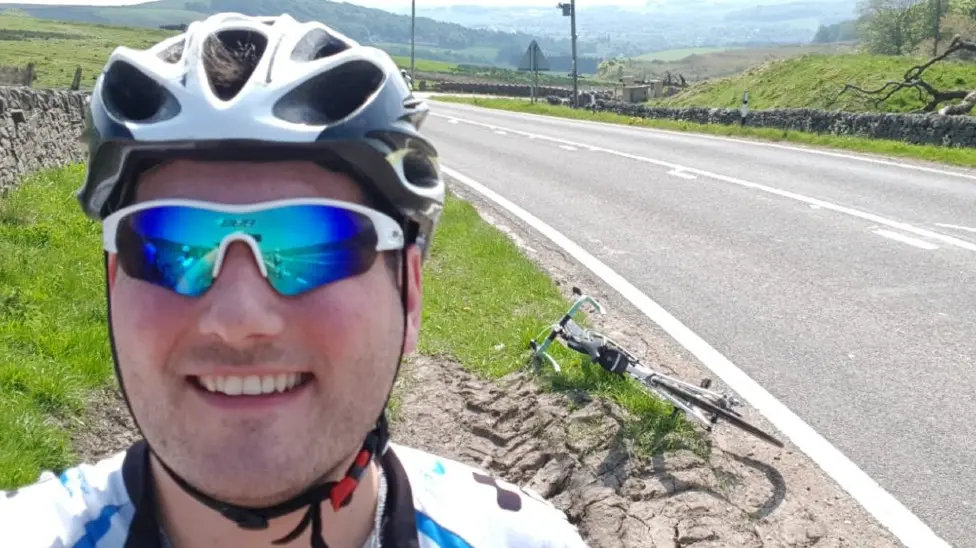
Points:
267	202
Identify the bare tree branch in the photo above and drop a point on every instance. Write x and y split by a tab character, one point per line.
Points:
926	91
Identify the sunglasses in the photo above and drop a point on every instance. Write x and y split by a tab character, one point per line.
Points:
299	244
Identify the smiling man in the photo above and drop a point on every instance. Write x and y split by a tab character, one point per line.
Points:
267	202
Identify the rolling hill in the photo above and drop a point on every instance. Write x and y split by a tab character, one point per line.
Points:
435	40
814	80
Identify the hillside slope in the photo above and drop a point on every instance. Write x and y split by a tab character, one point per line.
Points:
814	81
435	39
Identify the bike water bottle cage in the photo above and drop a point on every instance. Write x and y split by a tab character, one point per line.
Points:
298	244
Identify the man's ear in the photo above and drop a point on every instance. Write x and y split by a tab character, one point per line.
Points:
415	291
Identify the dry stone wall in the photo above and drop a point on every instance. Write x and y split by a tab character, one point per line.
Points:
925	129
922	129
39	129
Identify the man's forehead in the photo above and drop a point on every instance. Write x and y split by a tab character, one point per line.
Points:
245	182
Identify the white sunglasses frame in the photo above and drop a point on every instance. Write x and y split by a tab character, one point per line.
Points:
389	234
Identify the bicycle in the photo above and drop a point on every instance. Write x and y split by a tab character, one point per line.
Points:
706	406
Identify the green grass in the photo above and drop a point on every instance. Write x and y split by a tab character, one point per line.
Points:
815	80
53	345
483	302
957	156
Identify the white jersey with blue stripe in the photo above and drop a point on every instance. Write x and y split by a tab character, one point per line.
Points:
432	502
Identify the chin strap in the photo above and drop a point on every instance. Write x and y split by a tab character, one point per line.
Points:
338	493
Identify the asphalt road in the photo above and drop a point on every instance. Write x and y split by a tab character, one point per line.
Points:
846	288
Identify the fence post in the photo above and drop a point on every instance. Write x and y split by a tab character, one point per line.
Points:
76	82
29	78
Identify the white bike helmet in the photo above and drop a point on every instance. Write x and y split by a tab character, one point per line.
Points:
313	94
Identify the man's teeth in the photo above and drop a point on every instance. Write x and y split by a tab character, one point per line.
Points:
251	385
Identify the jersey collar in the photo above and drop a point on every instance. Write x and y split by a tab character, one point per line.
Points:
399	526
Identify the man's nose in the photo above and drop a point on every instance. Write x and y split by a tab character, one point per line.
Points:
241	306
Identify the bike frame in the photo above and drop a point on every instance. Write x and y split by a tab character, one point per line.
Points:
541	350
636	369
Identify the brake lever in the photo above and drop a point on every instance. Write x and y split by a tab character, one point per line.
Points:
581	298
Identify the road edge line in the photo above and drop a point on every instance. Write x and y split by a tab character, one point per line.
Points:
892	515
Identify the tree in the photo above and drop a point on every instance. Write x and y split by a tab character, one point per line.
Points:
913	79
892	27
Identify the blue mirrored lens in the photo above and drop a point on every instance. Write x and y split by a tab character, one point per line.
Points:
303	247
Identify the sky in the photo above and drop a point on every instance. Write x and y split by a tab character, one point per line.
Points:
382	4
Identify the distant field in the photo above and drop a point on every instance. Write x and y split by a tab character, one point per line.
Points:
56	48
702	66
425	65
477	55
814	81
677	54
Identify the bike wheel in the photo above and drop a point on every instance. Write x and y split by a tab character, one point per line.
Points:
729	416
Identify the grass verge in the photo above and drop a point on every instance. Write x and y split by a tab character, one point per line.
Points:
484	300
956	156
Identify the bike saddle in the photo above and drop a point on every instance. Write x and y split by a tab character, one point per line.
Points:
613	360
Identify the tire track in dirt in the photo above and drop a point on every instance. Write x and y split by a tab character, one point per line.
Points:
571	449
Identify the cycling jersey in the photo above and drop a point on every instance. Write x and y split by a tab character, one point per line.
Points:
431	502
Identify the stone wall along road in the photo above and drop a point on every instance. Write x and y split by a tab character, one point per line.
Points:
39	128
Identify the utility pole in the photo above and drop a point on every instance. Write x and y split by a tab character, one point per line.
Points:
413	40
570	10
572	24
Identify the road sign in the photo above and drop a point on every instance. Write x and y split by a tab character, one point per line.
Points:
533	59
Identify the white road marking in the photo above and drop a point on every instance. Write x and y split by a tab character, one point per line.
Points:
682	174
905	239
452	121
500	132
567	147
584	123
912	531
814	206
877	219
957	227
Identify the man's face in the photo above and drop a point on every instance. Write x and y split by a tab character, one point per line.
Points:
344	338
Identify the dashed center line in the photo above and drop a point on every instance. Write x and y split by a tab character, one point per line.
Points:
823	204
567	147
682	174
921	244
957	227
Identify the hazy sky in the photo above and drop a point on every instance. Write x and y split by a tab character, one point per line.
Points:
383	4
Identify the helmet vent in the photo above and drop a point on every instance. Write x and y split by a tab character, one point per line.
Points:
230	58
330	96
130	95
317	44
174	53
419	169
